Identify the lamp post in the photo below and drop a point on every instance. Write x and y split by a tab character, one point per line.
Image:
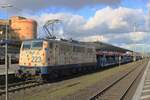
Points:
136	29
5	6
134	47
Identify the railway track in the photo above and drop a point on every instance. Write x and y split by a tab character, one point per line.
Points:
20	86
118	88
115	87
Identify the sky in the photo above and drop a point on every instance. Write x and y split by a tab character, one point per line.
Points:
124	23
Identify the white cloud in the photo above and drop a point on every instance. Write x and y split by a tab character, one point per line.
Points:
71	23
105	21
95	38
137	36
111	25
119	20
131	36
138	47
148	5
36	5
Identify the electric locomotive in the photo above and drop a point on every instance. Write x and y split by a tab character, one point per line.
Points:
41	58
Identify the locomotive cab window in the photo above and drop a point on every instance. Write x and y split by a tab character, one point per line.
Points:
37	45
26	45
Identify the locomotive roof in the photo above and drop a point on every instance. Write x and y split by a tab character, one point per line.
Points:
76	43
100	46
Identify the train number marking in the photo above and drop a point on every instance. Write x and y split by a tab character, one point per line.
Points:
36	59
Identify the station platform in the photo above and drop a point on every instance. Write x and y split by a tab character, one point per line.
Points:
143	90
11	69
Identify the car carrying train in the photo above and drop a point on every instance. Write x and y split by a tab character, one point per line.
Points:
43	58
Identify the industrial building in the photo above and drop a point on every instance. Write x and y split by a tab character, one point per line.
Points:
19	28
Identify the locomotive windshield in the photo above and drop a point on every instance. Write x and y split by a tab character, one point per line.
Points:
37	44
26	45
32	45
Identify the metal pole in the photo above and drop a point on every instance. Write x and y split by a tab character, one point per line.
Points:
119	60
52	29
6	64
134	47
6	51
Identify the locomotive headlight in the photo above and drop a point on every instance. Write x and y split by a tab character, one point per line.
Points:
46	49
